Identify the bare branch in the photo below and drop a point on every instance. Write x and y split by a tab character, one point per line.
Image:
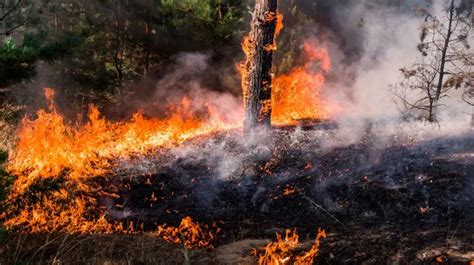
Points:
9	12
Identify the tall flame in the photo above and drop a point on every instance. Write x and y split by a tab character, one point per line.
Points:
50	146
296	95
248	47
47	146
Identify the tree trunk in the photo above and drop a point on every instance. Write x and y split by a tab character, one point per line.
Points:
118	54
257	79
148	41
444	51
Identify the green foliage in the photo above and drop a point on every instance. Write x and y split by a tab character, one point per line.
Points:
106	44
296	25
3	156
204	21
17	62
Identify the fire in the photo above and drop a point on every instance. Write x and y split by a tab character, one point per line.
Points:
289	190
60	212
49	146
279	252
296	95
248	47
279	27
188	233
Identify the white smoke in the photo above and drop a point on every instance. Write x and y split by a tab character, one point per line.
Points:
391	37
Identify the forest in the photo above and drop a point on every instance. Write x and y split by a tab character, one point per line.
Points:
236	132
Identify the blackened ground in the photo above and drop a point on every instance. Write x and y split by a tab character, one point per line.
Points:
381	201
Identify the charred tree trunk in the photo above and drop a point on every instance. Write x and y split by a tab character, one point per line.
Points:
257	83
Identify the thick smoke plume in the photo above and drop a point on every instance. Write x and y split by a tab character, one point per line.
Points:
371	41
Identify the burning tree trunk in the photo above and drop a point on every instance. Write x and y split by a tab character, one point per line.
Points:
257	77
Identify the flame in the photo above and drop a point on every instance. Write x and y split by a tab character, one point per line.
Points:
48	146
248	48
188	233
289	190
60	211
279	252
296	95
279	26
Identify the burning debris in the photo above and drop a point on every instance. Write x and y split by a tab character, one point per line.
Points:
188	234
49	145
256	73
279	252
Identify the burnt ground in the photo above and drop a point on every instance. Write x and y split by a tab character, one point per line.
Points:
383	199
380	198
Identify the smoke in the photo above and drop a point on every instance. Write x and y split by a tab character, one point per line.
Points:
370	41
368	46
188	79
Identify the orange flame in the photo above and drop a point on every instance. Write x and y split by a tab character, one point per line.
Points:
279	252
248	48
60	211
188	233
48	146
296	95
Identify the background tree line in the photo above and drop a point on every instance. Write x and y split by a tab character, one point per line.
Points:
105	44
104	47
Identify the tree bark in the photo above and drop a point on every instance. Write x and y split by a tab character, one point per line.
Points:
257	83
444	51
118	53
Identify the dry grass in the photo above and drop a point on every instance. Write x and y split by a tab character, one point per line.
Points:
6	136
93	249
10	116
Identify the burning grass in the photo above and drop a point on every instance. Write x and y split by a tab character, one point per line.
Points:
374	192
189	234
48	145
53	151
280	251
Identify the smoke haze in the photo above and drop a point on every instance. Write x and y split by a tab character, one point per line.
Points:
384	40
